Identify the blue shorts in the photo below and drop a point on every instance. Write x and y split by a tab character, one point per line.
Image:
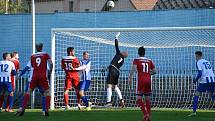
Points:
84	85
203	87
27	87
6	86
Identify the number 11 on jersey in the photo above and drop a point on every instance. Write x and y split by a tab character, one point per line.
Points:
145	67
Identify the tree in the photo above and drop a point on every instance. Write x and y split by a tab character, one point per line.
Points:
14	6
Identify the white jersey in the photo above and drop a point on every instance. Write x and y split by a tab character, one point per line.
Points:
207	71
6	67
85	67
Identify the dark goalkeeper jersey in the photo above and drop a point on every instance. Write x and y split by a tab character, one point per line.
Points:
118	59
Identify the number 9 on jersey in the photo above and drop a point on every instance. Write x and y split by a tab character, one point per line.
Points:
38	61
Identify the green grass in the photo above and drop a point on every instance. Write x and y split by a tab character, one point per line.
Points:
109	115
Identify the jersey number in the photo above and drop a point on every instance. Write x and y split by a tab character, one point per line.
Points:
145	67
120	60
4	67
207	65
68	66
38	61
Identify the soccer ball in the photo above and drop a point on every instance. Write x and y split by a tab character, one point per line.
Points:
110	4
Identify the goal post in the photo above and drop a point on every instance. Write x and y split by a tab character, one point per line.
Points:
53	73
171	48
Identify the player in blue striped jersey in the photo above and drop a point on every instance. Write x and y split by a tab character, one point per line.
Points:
85	78
206	80
7	69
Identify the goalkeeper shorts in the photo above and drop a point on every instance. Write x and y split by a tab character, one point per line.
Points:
113	76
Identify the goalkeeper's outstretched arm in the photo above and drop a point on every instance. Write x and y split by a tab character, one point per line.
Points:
117	43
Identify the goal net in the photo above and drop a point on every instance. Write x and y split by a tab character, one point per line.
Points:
171	49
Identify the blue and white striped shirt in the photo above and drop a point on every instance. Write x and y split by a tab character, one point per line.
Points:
6	69
85	68
207	71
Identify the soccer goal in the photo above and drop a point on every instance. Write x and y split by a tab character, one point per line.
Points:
171	49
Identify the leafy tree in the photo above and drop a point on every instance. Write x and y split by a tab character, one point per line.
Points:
14	6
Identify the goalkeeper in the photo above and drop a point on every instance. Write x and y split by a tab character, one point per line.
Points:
114	72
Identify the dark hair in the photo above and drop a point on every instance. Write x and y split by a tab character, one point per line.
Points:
14	53
69	49
199	53
5	55
39	46
141	51
85	52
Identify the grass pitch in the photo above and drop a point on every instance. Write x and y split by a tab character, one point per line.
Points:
109	115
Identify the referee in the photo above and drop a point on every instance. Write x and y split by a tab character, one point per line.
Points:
114	72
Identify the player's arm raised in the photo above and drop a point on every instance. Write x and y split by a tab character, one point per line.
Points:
117	43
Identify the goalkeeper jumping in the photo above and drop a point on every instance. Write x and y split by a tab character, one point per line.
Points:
114	72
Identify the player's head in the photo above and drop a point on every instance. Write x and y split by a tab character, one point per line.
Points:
141	51
198	55
70	51
39	47
85	55
6	56
124	54
15	55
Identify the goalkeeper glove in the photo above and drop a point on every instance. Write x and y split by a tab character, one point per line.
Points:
117	35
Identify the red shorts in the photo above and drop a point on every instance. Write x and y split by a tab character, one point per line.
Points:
144	87
13	78
39	81
71	82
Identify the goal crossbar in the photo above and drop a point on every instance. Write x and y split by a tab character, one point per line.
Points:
132	29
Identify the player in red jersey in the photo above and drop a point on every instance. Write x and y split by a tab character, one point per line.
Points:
145	68
72	77
39	79
15	60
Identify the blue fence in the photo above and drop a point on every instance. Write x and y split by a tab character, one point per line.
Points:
16	30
